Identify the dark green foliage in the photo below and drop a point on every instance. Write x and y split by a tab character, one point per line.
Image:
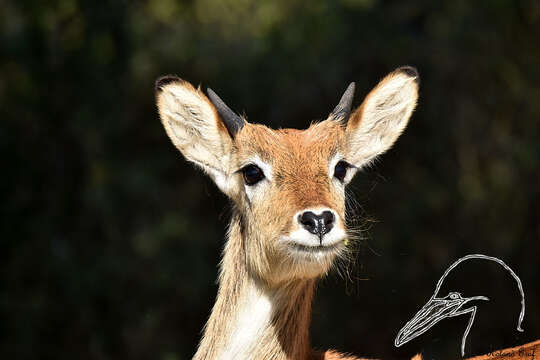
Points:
110	240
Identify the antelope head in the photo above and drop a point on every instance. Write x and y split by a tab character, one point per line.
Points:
287	185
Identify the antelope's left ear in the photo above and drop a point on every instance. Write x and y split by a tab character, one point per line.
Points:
202	128
382	117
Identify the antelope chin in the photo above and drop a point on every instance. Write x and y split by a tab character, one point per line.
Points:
312	261
318	259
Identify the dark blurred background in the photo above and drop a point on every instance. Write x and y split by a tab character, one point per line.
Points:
110	240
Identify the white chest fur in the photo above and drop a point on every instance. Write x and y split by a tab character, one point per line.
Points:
249	324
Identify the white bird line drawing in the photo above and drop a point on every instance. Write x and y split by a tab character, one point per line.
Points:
437	308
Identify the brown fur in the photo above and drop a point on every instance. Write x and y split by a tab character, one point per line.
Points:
529	351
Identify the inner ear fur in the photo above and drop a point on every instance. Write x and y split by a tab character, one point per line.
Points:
194	126
377	123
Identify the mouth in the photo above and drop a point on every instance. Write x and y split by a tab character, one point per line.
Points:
317	249
308	247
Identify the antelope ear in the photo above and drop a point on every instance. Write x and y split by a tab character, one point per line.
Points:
382	117
195	127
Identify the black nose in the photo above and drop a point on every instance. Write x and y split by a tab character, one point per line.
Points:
317	224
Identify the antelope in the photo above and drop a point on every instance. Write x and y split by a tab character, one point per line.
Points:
287	188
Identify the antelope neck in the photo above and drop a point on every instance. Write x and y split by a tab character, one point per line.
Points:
252	320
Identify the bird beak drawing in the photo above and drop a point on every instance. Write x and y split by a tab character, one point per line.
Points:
453	304
435	310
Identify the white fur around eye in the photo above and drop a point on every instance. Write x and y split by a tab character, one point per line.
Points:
351	171
255	190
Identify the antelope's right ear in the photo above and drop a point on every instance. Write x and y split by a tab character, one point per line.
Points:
197	128
378	122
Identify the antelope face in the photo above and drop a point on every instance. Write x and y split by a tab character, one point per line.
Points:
287	185
292	194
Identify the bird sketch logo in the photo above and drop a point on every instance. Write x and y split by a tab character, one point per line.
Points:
453	304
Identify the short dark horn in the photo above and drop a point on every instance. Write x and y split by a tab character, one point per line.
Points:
343	109
233	122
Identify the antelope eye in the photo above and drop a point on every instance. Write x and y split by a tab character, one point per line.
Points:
340	171
252	174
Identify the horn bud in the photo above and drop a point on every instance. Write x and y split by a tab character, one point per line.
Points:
342	111
232	121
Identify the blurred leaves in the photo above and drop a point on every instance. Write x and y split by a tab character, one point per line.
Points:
111	240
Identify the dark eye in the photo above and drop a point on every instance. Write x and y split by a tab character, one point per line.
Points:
340	171
252	174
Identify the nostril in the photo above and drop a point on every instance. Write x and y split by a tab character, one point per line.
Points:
309	222
328	221
328	218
